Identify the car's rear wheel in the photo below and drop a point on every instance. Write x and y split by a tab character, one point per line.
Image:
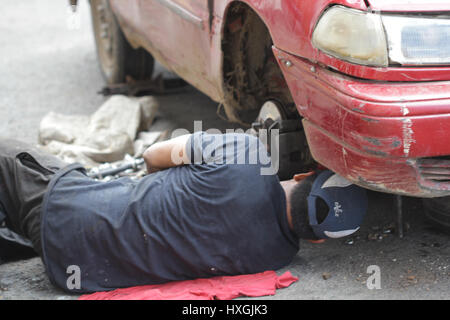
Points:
116	56
437	210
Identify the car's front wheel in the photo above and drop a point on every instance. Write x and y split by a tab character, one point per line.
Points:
116	56
288	148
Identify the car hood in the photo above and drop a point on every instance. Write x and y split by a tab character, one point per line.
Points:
410	5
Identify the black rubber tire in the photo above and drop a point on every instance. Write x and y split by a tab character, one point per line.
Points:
437	211
116	57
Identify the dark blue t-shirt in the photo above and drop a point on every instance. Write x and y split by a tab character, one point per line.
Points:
216	216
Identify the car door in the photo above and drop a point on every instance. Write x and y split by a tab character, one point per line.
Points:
180	34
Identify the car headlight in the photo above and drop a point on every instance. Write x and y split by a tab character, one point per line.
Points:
375	39
352	35
416	41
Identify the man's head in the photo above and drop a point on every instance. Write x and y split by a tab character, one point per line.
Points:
325	205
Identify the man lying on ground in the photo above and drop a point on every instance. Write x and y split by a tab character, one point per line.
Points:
205	210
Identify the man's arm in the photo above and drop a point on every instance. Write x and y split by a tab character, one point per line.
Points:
167	154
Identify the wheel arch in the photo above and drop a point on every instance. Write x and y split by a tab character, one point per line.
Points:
246	82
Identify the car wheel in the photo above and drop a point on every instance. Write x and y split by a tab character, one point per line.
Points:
291	149
116	56
437	210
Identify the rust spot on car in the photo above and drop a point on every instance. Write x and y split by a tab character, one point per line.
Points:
396	143
375	152
370	119
358	110
377	144
373	141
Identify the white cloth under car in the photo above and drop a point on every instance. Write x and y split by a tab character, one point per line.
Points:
106	136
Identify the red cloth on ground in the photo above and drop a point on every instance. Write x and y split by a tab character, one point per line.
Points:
219	288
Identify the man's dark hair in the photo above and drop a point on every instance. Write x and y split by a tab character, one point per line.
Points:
299	209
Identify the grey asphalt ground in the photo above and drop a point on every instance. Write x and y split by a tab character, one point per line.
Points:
46	67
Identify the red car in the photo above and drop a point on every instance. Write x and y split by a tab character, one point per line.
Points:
367	81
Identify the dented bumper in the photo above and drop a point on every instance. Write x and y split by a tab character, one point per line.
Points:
386	136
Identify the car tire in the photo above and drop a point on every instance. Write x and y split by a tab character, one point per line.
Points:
116	57
291	147
437	211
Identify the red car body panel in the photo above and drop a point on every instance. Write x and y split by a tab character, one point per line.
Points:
371	133
379	134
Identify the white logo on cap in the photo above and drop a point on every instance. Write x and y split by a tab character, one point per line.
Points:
337	209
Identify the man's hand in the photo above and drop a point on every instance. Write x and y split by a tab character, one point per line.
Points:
166	154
